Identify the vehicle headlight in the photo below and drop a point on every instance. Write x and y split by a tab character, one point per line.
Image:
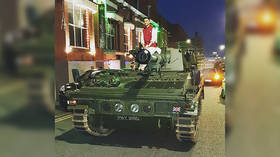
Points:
118	107
134	108
71	102
62	88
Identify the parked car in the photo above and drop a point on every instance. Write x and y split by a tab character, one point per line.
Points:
74	86
212	77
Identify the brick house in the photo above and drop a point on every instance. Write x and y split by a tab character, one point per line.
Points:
97	34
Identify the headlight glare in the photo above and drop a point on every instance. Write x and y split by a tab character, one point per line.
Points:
62	88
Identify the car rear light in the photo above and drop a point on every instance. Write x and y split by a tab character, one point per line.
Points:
72	102
208	80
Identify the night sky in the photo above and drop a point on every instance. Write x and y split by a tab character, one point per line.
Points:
207	17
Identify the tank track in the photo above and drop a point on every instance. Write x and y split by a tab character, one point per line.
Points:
187	125
187	129
80	122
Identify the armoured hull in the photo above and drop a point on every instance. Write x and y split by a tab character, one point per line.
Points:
170	100
110	99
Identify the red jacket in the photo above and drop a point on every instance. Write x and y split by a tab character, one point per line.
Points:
149	35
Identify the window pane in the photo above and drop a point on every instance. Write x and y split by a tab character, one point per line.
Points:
113	30
113	43
125	40
71	35
78	37
84	38
70	12
83	18
77	16
108	42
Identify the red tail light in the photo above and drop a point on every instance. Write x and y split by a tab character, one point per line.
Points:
74	102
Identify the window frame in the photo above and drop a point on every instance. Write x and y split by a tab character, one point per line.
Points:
125	42
111	34
83	15
138	37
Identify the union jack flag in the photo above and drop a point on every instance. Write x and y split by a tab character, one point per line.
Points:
176	109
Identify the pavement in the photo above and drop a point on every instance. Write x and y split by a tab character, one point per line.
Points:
26	127
151	143
255	109
12	95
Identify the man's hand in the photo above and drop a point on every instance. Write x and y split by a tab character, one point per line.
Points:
143	46
150	44
146	47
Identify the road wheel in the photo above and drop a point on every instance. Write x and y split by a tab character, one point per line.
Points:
95	127
187	129
87	123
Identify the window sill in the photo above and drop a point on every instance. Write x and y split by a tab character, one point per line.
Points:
109	51
79	49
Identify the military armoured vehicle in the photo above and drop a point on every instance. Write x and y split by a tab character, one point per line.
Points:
155	96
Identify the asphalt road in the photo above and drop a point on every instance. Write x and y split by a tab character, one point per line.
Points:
152	143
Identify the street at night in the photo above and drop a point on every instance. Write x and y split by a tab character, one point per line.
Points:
140	78
126	143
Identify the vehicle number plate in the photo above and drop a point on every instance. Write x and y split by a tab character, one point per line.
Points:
128	118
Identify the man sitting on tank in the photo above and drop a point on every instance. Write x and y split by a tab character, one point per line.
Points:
149	37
